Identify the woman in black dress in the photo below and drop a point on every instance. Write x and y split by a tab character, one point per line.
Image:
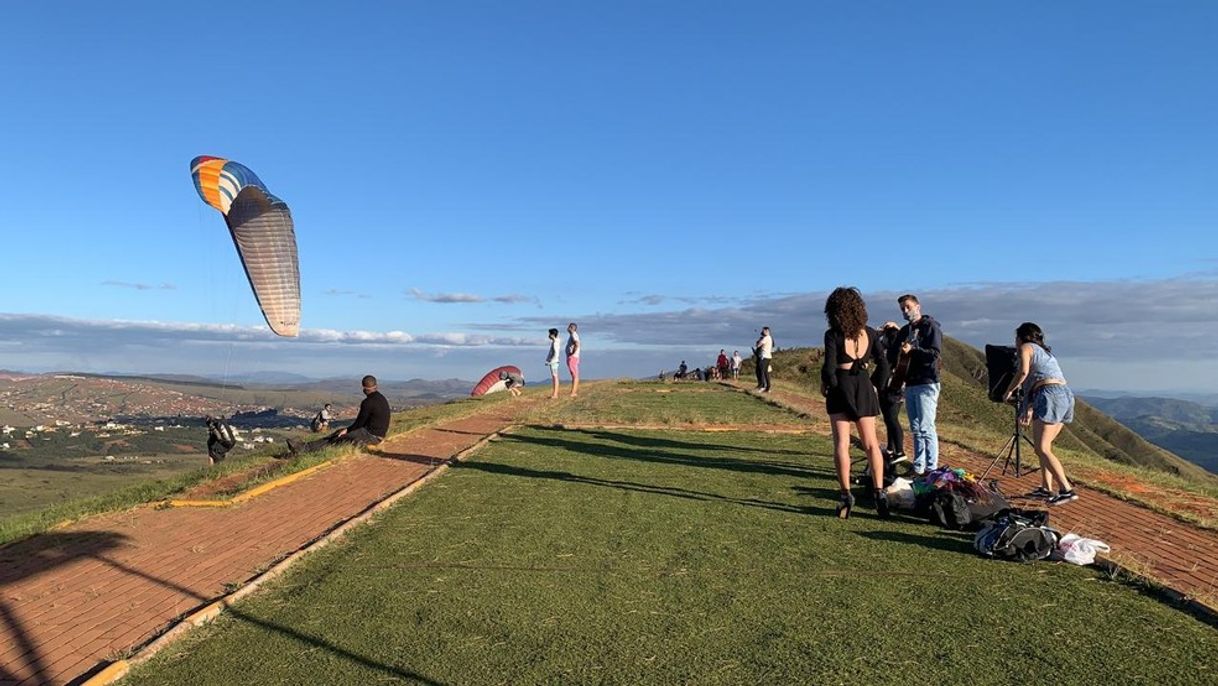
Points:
852	356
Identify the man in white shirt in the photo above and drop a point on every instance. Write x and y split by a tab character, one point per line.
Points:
736	362
573	358
764	351
552	363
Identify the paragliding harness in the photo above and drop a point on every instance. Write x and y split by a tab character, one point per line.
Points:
220	439
1017	535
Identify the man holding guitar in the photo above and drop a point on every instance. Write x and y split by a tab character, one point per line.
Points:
917	368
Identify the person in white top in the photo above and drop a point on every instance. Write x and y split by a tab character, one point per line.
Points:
736	361
764	352
552	363
573	357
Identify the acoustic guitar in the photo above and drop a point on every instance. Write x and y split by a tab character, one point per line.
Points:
897	381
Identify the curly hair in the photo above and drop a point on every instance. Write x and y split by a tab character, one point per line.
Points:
1029	332
846	311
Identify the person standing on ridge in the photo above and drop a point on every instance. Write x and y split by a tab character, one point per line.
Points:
890	400
851	351
918	364
736	362
1047	404
573	349
721	363
552	363
763	351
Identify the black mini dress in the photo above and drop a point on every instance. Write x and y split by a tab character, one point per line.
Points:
851	392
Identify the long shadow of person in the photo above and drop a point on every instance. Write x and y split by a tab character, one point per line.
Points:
671	491
26	560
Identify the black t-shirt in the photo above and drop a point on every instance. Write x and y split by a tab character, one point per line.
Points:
373	415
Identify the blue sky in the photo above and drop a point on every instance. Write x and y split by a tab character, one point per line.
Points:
634	160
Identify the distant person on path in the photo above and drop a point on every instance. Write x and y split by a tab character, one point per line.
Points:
220	439
370	427
1047	404
682	370
921	345
852	351
890	400
737	360
763	351
322	421
722	364
552	363
573	349
512	382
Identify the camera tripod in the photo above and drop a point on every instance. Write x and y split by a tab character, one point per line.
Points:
1012	448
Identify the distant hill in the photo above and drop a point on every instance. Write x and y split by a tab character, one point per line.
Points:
964	403
1186	428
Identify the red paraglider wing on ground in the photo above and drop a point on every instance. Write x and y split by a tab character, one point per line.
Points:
491	383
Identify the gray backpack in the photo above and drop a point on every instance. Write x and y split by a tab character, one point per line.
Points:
1018	535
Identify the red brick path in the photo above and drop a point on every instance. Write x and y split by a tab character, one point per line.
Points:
72	598
1179	555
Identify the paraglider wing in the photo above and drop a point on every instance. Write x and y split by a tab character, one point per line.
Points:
491	383
262	229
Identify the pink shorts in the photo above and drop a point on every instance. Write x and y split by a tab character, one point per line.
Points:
573	365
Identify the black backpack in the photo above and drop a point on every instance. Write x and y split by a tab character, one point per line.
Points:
949	510
1017	535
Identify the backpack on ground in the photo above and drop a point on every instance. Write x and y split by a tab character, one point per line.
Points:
949	510
1017	535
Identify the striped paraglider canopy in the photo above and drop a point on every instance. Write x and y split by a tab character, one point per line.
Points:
262	229
491	383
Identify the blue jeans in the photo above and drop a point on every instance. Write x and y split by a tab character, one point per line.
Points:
922	402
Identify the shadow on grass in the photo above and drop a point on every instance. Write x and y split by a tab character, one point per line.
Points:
946	542
653	442
625	453
671	491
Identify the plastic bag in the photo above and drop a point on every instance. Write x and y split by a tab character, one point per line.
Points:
1078	550
901	494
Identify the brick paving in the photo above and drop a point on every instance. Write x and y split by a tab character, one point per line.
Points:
1178	555
73	598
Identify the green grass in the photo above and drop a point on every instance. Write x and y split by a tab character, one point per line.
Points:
654	403
613	556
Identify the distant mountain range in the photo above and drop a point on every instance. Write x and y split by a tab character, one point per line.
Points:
1188	429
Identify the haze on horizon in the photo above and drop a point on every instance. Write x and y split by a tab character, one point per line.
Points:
464	177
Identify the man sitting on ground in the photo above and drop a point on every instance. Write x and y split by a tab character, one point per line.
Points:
321	422
370	427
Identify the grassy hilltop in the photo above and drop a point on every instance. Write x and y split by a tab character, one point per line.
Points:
602	554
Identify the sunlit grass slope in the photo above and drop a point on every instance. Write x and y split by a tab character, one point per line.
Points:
676	556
